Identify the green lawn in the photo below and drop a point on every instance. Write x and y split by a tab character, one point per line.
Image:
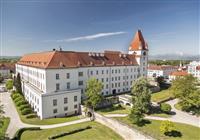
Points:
161	96
188	132
49	121
115	109
4	126
97	132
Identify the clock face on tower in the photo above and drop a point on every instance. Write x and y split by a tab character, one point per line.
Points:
144	53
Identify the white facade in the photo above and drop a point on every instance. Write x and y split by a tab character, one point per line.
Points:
57	90
163	71
194	69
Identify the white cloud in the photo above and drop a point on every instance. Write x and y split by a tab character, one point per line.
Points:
88	37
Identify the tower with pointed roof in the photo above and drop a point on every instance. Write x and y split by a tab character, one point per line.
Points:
139	48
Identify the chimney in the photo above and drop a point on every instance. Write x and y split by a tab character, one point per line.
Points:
60	48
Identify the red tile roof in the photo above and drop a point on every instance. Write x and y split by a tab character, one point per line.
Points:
179	73
138	42
68	59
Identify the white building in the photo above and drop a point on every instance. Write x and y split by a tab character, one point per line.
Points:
54	81
194	69
164	70
176	74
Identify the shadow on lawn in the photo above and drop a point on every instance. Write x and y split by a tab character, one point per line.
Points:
174	133
143	123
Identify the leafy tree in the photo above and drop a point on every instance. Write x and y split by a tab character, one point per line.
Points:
18	83
165	107
166	127
141	99
93	93
186	90
9	84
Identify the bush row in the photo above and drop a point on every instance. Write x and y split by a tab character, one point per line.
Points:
69	133
18	134
21	103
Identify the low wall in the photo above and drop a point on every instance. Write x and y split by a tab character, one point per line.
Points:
123	130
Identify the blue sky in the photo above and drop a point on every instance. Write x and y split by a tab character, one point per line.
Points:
90	25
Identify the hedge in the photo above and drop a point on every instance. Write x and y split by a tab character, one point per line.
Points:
31	116
68	133
15	95
18	134
26	111
24	106
23	102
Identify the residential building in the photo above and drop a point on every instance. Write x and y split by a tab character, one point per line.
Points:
163	71
194	68
176	74
53	82
6	69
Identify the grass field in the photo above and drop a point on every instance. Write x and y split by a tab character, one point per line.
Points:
97	132
4	126
188	132
161	96
115	109
49	121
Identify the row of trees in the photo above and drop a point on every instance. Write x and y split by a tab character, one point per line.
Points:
168	62
185	88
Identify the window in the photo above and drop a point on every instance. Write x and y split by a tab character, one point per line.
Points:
54	102
106	79
80	74
75	98
75	106
57	86
57	76
116	71
102	79
91	72
112	71
97	72
65	100
80	83
68	85
68	75
55	111
102	71
65	108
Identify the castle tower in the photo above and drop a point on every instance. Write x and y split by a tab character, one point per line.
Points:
139	48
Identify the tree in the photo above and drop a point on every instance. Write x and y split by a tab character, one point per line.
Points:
9	84
166	127
18	83
141	99
93	93
1	114
186	90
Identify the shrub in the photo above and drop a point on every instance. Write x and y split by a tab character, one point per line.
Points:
18	97
20	131
31	116
26	111
166	127
15	95
9	84
24	106
165	107
19	103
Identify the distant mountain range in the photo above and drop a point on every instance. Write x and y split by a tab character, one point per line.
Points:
174	57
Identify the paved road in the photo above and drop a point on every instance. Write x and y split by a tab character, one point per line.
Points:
180	116
183	117
16	123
